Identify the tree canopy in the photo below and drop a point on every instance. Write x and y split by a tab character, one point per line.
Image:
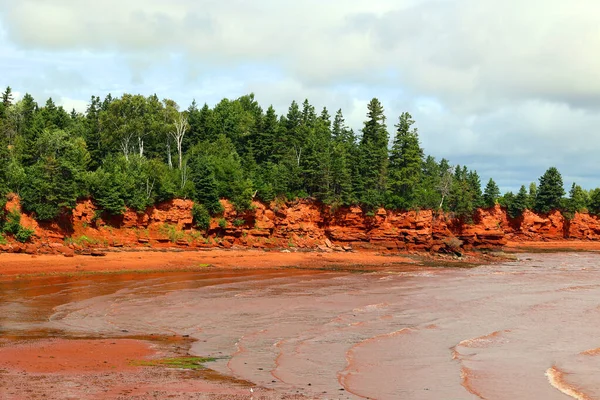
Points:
133	151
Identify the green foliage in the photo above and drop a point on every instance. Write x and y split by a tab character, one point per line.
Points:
506	200
532	196
120	153
518	204
13	222
594	203
192	363
238	222
405	165
55	182
373	157
578	199
205	187
13	226
490	194
550	191
222	223
171	231
24	234
201	217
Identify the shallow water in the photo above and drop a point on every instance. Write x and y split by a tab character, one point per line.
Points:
524	330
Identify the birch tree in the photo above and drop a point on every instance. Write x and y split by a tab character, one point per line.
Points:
180	127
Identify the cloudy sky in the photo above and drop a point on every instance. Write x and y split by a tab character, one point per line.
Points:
508	87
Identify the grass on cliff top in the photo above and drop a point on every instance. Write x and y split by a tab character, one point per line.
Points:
192	363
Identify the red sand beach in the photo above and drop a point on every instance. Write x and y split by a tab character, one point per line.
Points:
523	329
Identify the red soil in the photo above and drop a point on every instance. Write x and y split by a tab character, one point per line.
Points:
74	356
12	265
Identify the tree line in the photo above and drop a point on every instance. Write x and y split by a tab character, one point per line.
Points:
134	151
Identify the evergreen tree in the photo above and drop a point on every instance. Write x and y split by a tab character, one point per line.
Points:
7	101
518	204
373	157
461	196
344	155
475	188
427	191
532	196
594	203
490	194
205	187
550	191
55	181
265	146
577	202
405	164
92	136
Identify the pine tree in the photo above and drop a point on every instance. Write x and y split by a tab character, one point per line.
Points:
405	163
550	191
491	194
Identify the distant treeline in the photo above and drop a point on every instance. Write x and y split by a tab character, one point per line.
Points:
135	151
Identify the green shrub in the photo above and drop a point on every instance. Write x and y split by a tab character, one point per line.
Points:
13	222
238	222
24	234
170	230
201	216
13	226
223	223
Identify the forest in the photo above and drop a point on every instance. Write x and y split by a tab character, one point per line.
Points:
134	151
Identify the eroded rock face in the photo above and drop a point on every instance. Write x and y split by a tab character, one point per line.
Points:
299	224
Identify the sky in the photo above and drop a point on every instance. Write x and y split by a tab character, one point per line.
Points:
506	87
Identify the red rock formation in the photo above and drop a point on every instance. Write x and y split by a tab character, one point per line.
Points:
301	224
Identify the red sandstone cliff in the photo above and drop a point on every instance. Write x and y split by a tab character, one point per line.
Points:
300	224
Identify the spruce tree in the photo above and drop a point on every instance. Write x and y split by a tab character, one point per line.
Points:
532	195
205	187
490	194
550	191
518	204
594	202
578	200
373	160
405	163
475	188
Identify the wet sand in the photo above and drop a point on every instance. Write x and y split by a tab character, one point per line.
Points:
18	265
514	330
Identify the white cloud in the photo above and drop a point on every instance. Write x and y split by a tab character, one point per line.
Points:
70	104
511	86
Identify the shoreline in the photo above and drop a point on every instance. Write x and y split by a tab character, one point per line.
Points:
132	260
20	266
